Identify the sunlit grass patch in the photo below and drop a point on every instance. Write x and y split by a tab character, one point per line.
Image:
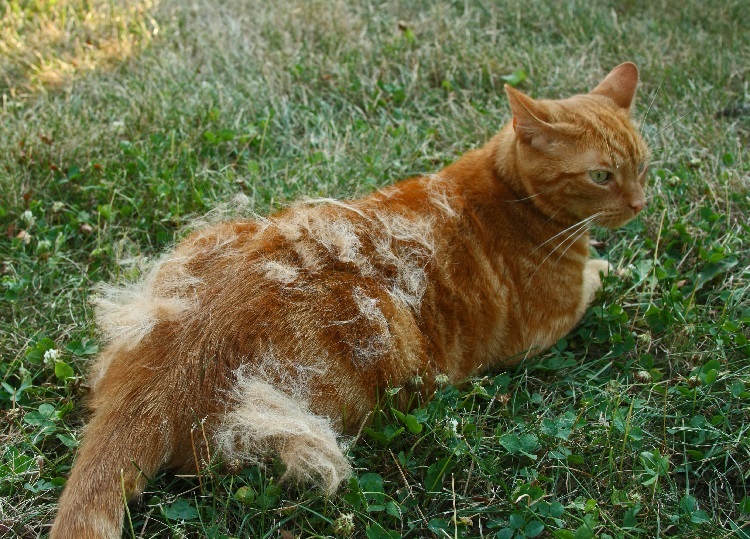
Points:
44	44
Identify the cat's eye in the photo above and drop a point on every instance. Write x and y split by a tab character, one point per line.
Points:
641	167
599	176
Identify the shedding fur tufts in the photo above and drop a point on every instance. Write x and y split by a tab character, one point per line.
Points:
407	245
125	314
264	419
379	341
439	197
282	273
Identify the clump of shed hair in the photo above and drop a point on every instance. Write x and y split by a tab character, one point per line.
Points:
264	419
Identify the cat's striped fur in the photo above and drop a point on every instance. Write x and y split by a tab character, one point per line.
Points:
278	334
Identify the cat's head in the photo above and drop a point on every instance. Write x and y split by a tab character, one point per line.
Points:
582	157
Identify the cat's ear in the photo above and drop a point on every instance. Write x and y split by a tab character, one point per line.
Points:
620	85
530	120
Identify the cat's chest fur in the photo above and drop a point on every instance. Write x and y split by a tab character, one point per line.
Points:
501	290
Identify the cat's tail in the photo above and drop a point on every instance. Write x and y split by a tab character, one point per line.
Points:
119	452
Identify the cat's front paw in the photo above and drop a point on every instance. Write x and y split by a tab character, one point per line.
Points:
592	281
597	266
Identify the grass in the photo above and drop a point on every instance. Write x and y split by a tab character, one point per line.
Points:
46	44
114	135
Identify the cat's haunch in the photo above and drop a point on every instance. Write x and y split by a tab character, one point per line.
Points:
277	334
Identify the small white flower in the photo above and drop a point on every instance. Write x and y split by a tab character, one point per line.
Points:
626	273
44	246
644	338
344	525
28	218
451	427
58	206
442	380
51	355
643	376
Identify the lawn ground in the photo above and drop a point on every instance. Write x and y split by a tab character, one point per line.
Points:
122	120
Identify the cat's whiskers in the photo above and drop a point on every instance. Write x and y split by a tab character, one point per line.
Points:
609	219
648	110
552	216
579	223
670	124
578	230
528	197
580	233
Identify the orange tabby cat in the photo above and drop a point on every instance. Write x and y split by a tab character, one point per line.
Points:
277	334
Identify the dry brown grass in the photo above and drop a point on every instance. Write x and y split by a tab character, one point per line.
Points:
46	44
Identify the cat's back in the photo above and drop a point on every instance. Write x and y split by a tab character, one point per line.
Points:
323	282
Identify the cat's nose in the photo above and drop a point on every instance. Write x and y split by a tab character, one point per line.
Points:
637	205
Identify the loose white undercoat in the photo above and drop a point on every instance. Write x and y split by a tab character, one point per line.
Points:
263	416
